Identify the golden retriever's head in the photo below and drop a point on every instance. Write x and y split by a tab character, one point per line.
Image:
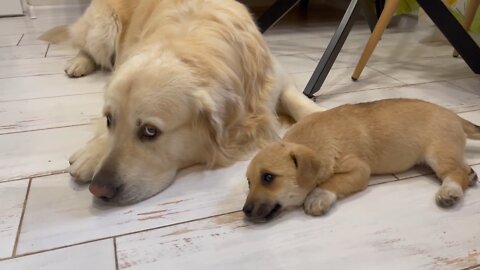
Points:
280	176
159	119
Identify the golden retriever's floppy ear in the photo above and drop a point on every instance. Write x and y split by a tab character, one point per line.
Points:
308	165
56	35
208	109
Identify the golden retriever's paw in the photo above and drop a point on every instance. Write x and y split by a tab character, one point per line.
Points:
79	66
84	162
319	201
449	194
82	166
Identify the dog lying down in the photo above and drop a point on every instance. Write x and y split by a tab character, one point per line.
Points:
331	155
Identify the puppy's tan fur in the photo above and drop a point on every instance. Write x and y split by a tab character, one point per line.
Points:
330	155
198	71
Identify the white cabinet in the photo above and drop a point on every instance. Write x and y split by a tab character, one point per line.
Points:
10	7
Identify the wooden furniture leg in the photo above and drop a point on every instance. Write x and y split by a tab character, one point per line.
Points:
383	21
469	16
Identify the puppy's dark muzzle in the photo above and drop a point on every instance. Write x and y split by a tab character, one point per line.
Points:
261	211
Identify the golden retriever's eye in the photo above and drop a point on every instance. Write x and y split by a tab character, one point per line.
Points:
148	132
109	120
267	178
248	181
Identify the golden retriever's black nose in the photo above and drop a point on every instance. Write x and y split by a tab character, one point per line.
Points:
103	191
248	209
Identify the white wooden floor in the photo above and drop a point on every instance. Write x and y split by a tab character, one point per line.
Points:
47	222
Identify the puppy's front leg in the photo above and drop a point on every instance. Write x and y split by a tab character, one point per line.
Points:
351	175
319	201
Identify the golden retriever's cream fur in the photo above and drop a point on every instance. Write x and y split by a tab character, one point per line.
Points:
330	155
193	83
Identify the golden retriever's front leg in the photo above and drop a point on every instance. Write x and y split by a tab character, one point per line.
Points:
351	175
84	162
295	104
80	65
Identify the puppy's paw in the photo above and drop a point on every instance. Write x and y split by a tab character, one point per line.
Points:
319	201
449	194
473	177
84	162
79	66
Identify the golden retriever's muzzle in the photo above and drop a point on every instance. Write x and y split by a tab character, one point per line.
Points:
261	211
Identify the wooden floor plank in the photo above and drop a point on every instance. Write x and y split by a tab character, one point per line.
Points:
390	226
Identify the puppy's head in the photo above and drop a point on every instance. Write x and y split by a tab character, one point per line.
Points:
280	176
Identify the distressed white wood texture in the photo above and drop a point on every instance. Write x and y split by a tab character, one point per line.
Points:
10	40
337	82
40	152
22	88
31	39
98	255
32	67
471	84
424	70
12	197
297	63
77	218
61	50
391	226
35	114
23	52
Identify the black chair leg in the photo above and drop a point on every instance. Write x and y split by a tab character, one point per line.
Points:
379	6
368	10
332	51
275	13
453	31
304	7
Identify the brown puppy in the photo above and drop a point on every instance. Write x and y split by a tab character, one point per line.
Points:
330	155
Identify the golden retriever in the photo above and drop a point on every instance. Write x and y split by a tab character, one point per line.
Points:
330	155
193	83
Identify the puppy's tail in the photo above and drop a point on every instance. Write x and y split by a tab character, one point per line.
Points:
59	34
472	130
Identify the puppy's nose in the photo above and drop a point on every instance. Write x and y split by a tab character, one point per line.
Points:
248	209
103	191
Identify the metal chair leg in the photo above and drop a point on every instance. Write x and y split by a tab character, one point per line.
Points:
304	7
453	31
368	10
469	16
275	13
332	51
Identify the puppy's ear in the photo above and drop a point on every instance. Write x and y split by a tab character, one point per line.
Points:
308	165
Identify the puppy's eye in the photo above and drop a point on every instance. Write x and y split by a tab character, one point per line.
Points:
148	132
109	120
248	181
268	178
